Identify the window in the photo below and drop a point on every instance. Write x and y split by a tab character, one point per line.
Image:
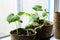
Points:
51	10
6	7
11	6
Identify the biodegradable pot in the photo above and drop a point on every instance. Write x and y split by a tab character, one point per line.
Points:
45	32
57	25
22	35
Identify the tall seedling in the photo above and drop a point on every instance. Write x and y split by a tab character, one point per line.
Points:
36	17
15	18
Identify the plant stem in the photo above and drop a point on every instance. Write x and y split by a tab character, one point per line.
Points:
16	28
40	26
36	28
27	32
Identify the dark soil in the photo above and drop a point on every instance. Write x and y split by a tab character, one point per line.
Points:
22	31
45	31
42	21
22	34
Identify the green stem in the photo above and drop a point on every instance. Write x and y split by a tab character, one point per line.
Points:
40	25
27	32
36	28
16	28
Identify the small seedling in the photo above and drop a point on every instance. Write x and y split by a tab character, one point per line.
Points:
35	17
14	18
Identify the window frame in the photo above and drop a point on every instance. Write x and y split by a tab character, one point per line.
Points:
20	9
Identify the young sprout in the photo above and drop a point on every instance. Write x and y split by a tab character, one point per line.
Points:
13	18
44	14
35	17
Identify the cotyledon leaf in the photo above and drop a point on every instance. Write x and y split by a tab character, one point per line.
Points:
12	18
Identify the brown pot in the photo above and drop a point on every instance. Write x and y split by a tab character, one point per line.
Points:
57	25
22	35
44	32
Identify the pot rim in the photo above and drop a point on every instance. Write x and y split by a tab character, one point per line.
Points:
22	35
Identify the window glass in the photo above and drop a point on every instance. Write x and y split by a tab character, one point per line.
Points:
6	7
51	10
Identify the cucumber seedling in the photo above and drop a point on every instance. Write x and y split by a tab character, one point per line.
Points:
36	17
15	18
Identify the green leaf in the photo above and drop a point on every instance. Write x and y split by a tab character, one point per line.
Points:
13	18
45	13
33	17
20	21
20	13
27	14
37	8
37	19
29	26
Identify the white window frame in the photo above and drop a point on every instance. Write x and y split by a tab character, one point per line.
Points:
52	10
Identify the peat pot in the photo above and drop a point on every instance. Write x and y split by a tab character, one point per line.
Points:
45	32
57	25
22	34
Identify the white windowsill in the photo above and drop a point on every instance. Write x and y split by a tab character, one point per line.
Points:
8	38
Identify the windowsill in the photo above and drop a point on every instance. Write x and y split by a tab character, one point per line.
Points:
9	38
4	36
